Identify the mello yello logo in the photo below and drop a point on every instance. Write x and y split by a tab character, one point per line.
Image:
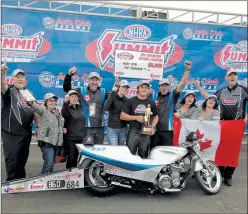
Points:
101	52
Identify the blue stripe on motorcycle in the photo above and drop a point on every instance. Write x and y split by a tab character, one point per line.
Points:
120	164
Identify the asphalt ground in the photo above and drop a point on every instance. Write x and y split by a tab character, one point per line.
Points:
191	200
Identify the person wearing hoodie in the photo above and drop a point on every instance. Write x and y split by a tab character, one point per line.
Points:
50	129
117	128
75	126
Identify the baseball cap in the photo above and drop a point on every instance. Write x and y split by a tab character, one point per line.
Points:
231	71
212	96
188	93
72	92
142	82
17	71
124	83
94	74
49	96
164	81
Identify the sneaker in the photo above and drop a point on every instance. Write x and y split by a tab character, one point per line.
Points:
228	182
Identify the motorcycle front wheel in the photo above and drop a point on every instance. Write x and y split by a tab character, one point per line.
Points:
93	181
209	184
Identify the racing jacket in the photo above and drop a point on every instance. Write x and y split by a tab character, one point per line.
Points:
232	102
86	98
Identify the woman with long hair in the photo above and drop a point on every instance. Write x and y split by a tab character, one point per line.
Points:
210	109
117	128
187	109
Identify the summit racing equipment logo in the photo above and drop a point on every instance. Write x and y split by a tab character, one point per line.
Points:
18	48
101	52
233	56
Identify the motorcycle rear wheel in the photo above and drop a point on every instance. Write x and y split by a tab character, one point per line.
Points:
94	184
204	179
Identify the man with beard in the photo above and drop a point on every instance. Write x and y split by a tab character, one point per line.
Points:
16	124
166	100
233	102
92	100
134	111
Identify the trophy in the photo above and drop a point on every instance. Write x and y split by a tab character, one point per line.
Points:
146	128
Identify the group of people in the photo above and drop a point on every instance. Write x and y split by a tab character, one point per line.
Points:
83	111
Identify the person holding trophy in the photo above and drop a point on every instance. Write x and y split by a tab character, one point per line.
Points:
16	124
138	111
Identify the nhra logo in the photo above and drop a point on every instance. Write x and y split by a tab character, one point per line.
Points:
11	29
101	52
137	32
18	48
47	79
233	56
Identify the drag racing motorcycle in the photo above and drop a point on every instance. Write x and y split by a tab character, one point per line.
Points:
107	167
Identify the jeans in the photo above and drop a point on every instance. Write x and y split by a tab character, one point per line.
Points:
97	133
137	141
116	136
48	155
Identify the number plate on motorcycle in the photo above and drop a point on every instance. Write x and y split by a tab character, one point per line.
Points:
54	184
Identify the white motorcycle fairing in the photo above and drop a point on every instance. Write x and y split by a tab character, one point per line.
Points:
119	161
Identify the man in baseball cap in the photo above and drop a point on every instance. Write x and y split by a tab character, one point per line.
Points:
92	99
16	124
133	112
166	100
233	106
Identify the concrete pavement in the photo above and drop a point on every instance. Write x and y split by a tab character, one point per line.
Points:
191	200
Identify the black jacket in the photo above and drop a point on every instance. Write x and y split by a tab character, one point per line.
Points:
74	121
93	96
114	105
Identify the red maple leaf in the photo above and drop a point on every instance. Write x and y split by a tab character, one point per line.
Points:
199	134
205	143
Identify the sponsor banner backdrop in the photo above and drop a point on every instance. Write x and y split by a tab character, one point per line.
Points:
45	45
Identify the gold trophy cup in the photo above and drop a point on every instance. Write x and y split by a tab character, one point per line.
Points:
146	128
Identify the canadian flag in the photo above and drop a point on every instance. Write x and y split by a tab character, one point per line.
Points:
220	140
